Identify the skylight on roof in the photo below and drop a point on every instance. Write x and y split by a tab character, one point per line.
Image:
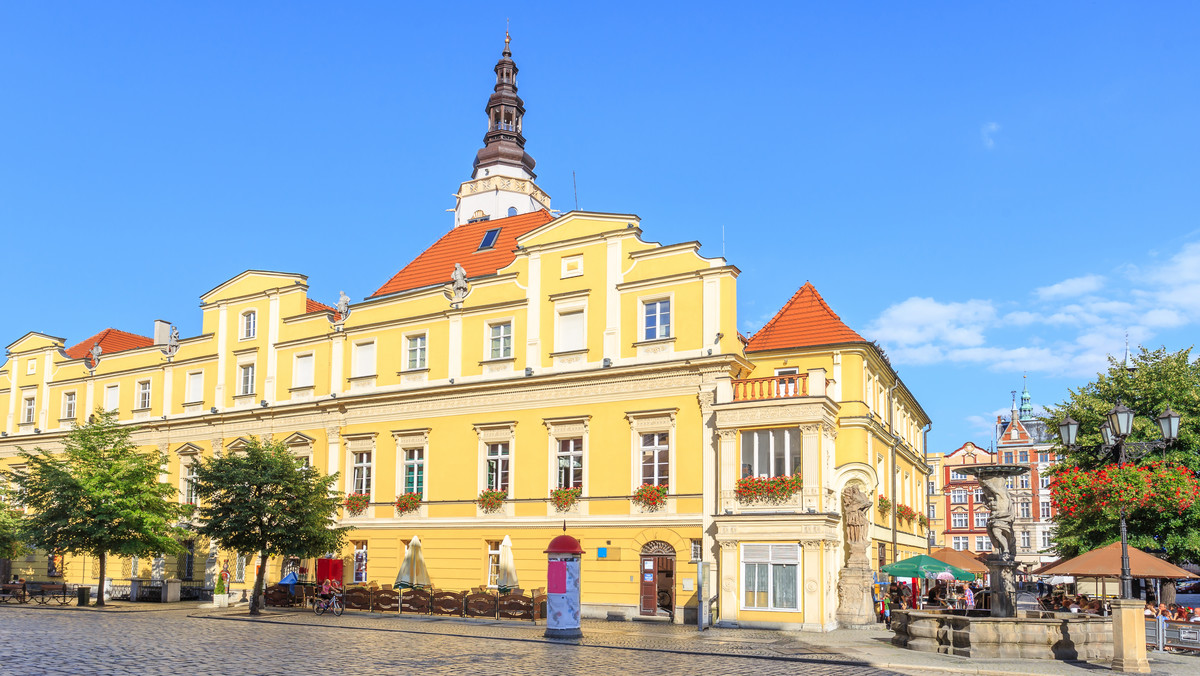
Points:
489	239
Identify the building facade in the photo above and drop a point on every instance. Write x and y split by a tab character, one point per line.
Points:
524	353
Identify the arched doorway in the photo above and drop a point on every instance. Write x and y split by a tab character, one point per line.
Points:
657	579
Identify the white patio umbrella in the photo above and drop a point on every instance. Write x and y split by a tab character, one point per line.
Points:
413	571
506	577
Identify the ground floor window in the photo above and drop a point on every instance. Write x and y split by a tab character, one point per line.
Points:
770	577
961	542
189	560
360	561
239	570
493	563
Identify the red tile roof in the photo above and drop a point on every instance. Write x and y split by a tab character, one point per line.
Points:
311	306
111	340
803	322
461	245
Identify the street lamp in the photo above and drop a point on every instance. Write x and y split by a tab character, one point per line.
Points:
1118	424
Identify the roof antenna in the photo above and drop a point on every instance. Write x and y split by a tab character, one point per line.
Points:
722	241
576	187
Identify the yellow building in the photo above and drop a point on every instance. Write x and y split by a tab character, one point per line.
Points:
523	352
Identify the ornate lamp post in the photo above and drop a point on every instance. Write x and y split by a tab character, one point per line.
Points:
1114	431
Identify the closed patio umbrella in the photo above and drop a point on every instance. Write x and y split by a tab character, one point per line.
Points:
506	577
413	571
925	566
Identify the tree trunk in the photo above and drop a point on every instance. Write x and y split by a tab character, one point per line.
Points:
258	583
1168	592
103	568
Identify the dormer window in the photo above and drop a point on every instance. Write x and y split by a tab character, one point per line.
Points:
249	324
489	239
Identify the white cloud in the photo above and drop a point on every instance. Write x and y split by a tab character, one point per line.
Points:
988	132
923	320
1070	288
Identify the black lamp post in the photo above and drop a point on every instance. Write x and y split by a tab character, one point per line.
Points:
1116	427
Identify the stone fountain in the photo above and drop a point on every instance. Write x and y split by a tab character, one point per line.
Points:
1002	565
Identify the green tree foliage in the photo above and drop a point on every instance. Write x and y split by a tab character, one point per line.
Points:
262	499
100	495
12	544
1153	380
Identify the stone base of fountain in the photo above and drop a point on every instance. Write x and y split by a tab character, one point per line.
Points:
1029	635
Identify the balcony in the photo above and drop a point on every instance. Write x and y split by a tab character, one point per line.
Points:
771	387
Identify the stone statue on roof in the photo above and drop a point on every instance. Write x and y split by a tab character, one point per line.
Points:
458	282
96	351
343	304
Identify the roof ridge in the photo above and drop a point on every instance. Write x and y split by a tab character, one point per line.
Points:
813	324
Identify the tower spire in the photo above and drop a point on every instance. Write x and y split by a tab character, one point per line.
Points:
1026	400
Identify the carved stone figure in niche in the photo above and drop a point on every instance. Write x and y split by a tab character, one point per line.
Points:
855	509
96	352
1000	525
459	281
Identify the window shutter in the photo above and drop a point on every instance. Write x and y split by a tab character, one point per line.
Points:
195	389
364	359
570	331
785	553
303	377
756	553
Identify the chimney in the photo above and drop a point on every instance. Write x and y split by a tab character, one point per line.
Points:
162	331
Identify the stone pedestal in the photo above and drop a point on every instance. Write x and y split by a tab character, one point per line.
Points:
856	608
1129	637
1004	586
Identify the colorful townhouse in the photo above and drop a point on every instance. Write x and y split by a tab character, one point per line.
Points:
526	354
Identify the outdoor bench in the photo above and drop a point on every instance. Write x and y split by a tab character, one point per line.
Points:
50	591
13	592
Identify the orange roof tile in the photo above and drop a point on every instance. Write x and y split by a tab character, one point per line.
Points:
461	245
804	321
111	340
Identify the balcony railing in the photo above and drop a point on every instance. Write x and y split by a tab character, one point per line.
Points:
772	387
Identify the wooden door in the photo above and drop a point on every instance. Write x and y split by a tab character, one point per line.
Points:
647	573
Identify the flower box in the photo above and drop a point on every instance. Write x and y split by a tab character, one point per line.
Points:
564	498
409	502
885	505
491	501
650	497
357	503
767	489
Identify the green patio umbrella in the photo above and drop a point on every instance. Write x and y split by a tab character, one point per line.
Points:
925	566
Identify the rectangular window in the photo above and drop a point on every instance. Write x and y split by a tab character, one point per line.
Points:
932	511
956	475
189	560
493	562
979	494
246	379
1026	512
658	319
27	410
500	338
189	483
1046	539
239	569
249	324
497	467
416	352
363	360
931	488
143	396
960	542
1044	481
571	332
983	543
981	519
770	453
1023	457
302	373
1024	539
489	239
958	496
570	463
195	386
1043	457
770	580
1045	509
360	561
1008	457
112	397
362	473
68	405
414	471
958	520
656	456
1023	481
31	367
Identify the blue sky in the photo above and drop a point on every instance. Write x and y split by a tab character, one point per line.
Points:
986	189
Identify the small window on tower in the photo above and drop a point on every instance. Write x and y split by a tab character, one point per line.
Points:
512	211
489	239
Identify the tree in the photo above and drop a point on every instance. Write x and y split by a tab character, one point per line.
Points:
12	544
1153	381
264	500
99	496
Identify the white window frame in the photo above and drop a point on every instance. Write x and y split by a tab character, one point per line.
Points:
961	543
493	563
359	561
644	313
572	266
199	378
491	346
1044	511
420	351
1044	481
958	496
959	520
362	471
983	543
28	410
1026	540
561	314
311	373
956	475
1046	536
68	405
1026	510
117	397
1023	481
239	568
931	510
246	378
980	518
248	325
144	395
413	457
772	563
187	471
499	476
655	447
573	454
359	366
791	453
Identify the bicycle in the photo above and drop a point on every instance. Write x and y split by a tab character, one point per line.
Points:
333	604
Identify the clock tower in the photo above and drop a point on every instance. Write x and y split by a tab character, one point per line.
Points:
502	182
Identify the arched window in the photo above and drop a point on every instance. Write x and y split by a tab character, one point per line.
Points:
512	211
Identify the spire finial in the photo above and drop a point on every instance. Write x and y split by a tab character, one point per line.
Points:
507	39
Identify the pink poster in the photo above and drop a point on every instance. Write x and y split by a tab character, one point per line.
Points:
556	577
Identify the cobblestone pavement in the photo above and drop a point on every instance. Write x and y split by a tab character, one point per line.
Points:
36	641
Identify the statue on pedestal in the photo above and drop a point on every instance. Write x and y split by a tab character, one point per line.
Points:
855	606
1000	525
